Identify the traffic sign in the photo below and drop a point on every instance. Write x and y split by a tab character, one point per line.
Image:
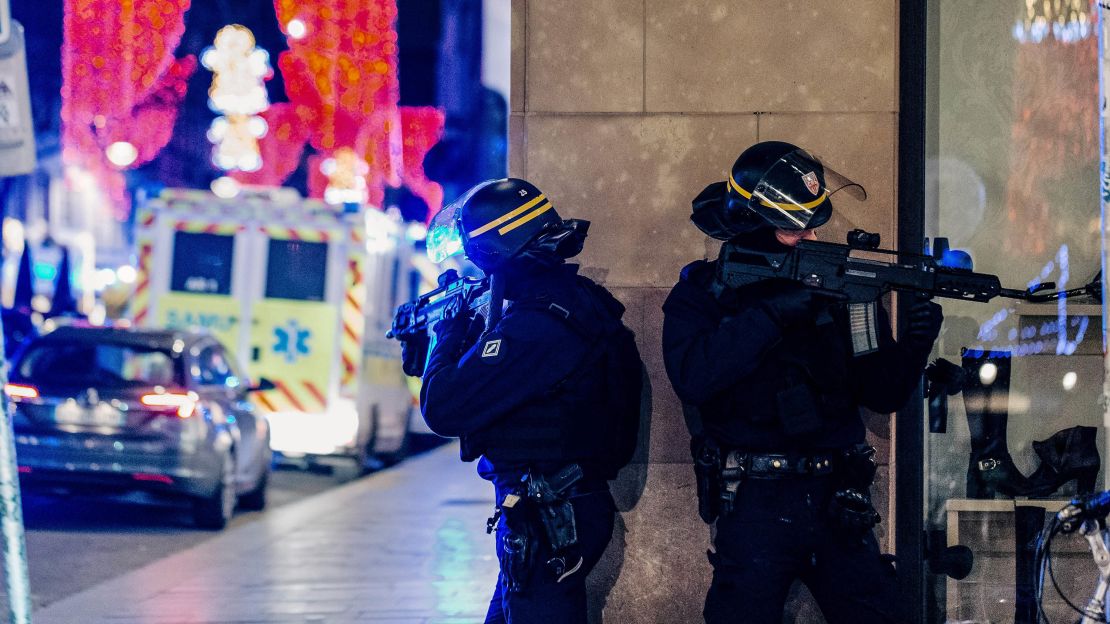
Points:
17	132
5	21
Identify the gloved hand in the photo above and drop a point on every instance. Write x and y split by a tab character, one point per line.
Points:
789	302
457	330
924	321
414	353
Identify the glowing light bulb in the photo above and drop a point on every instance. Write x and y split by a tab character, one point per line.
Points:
225	187
127	274
121	153
296	29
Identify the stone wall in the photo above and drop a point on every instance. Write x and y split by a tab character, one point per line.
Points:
621	112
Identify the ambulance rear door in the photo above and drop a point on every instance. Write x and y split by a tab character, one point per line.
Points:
191	272
294	336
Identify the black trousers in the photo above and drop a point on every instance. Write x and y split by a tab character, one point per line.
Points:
543	599
779	533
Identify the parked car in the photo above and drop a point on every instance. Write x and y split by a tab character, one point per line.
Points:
18	329
160	411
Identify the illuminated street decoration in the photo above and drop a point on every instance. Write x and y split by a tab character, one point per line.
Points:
239	70
281	149
340	74
120	84
421	128
346	177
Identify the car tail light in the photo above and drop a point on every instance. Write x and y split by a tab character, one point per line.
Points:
144	476
20	391
183	404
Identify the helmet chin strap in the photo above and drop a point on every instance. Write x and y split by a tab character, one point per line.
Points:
496	300
548	250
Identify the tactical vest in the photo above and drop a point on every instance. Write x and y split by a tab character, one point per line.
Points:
559	427
570	422
800	395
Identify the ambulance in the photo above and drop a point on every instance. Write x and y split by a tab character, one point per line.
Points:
303	293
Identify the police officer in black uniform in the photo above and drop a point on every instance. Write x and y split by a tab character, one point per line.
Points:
529	394
772	369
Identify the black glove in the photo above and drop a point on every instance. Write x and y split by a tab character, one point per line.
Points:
789	302
925	318
457	330
414	353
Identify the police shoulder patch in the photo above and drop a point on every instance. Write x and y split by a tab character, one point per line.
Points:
493	348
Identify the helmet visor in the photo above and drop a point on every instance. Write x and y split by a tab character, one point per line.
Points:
444	238
794	192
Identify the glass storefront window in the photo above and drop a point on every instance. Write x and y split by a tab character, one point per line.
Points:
1013	153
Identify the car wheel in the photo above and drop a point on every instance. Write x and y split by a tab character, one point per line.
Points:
255	500
214	512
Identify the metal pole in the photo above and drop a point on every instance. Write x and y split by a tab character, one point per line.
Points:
11	514
17	157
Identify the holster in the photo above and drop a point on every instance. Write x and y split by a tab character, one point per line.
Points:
707	473
856	468
518	548
555	510
543	499
716	481
850	509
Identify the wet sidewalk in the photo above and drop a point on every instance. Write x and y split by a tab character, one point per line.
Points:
403	546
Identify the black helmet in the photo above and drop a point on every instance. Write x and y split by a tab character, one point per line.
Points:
498	218
784	186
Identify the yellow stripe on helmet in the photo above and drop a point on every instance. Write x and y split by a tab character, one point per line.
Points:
788	207
526	218
507	216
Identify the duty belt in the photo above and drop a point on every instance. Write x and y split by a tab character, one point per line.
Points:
738	465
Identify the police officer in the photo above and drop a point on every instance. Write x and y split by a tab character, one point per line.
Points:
778	379
526	390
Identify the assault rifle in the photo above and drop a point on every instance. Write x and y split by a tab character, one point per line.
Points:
414	317
831	266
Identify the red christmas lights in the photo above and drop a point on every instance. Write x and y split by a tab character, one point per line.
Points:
341	77
421	128
281	148
120	83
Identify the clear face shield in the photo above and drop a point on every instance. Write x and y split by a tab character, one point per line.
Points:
444	238
794	192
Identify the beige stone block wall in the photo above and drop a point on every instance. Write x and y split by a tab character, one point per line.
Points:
622	111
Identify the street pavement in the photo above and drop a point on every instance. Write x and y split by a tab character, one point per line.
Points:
76	542
406	545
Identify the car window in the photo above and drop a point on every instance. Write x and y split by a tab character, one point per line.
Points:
97	365
238	378
215	367
296	270
202	263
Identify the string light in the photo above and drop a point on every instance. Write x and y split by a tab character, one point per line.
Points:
346	174
239	70
341	77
